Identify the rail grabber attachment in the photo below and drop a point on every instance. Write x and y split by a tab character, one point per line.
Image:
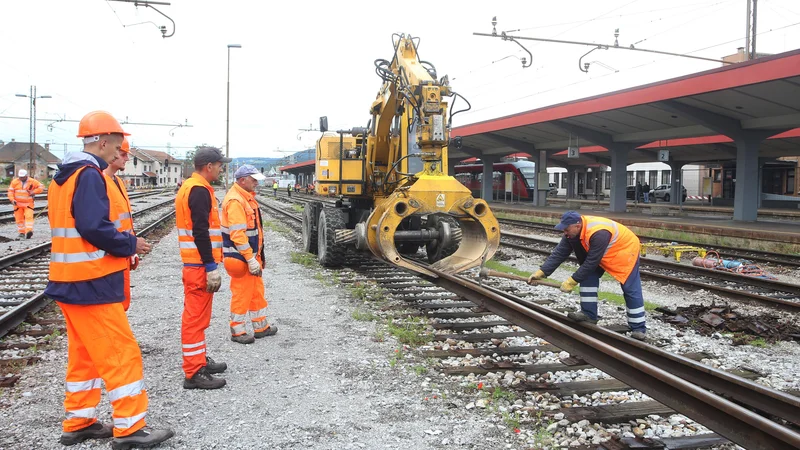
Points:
448	217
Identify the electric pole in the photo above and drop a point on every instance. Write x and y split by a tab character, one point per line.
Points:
32	161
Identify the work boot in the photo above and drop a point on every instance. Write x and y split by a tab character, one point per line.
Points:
28	234
638	335
142	439
96	430
243	339
580	316
271	331
215	367
21	236
203	380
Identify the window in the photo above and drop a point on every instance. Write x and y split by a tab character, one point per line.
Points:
666	176
640	175
564	179
555	178
607	180
630	178
653	178
790	181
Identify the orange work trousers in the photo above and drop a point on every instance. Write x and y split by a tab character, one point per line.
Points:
101	347
247	299
196	318
23	215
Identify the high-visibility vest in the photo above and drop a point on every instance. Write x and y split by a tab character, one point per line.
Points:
20	192
183	219
125	221
73	258
242	235
623	248
274	185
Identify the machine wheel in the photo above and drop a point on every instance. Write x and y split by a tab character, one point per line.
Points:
329	253
434	249
666	198
310	219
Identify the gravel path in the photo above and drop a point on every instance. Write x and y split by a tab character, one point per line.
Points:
320	383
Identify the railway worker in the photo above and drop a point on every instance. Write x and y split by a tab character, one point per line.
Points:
126	218
289	189
275	188
600	245
88	258
200	242
243	251
21	192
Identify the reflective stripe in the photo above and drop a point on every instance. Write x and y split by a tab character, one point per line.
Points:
184	232
125	215
238	330
85	413
187	245
117	223
260	313
227	250
636	310
242	247
237	226
588	289
194	345
216	244
128	390
77	257
251	233
214	232
636	319
88	385
588	299
196	352
127	422
238	317
64	233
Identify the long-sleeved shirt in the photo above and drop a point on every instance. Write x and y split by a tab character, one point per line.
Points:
200	206
22	193
589	260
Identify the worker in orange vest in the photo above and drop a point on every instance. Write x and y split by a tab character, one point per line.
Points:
121	196
243	250
200	242
89	255
600	245
20	193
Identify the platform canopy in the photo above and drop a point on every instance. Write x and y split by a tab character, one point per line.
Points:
738	112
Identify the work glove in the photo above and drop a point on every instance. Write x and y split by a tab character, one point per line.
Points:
213	281
538	275
134	262
254	267
568	285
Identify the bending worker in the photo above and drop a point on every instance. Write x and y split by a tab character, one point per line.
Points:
89	255
126	218
200	242
243	250
20	193
600	245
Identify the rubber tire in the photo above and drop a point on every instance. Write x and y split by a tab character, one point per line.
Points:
435	254
310	234
329	253
666	198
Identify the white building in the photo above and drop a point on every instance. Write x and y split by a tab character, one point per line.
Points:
151	168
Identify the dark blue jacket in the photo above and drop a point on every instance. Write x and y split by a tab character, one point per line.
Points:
90	207
589	261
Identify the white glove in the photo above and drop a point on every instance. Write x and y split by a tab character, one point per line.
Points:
254	267
213	280
134	262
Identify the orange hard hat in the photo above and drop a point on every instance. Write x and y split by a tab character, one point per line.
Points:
97	123
126	146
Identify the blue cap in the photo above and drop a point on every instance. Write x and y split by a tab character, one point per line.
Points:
569	218
249	170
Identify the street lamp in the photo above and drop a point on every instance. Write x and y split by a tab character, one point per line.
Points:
33	97
228	114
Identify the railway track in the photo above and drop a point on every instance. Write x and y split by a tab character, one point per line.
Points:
460	310
24	275
7	214
768	292
730	252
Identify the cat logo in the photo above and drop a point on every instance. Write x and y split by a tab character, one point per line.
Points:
440	201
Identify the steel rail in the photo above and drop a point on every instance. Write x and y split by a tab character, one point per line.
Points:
634	364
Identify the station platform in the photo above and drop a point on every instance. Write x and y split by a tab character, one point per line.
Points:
688	206
696	220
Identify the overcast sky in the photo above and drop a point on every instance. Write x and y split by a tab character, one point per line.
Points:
303	59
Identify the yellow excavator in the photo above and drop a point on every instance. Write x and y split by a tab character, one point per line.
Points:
394	196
